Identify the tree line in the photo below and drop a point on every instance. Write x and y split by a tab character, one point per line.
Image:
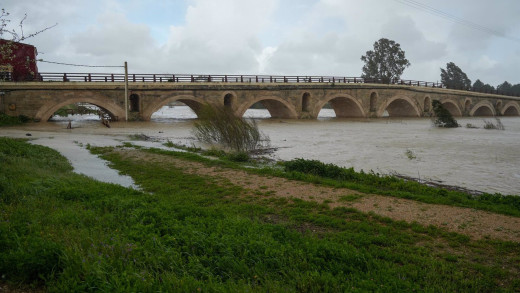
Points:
387	62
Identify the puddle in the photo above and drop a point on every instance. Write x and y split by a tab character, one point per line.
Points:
86	163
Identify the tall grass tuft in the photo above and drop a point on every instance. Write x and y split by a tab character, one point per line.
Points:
219	125
491	125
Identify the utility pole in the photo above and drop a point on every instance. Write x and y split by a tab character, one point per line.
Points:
126	91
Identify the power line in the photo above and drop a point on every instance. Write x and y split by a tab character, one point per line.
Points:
80	65
455	19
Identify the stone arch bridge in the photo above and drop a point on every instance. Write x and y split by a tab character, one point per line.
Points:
39	100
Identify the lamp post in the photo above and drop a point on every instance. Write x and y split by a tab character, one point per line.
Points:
126	91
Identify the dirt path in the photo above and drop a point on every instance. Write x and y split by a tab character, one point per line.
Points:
475	223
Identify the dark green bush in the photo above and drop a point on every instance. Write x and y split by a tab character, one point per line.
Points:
318	168
6	120
444	117
238	157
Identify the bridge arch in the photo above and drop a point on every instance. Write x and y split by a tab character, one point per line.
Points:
344	105
452	107
277	107
511	109
400	106
427	104
483	108
229	99
306	97
373	101
498	105
467	106
114	111
134	103
194	103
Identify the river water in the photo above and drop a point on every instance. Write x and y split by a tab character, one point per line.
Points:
477	159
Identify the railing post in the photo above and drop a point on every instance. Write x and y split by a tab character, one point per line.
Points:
241	78
106	79
271	78
173	77
112	77
256	78
154	78
192	80
225	78
297	79
133	77
89	77
64	77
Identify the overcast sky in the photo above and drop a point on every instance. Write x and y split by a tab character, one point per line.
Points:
286	37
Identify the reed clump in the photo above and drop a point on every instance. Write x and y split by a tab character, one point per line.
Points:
220	126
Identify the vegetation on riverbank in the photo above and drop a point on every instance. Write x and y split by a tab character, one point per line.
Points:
443	116
331	175
6	120
220	126
65	232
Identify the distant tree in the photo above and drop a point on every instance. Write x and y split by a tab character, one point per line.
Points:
516	89
479	86
505	87
454	78
386	62
487	88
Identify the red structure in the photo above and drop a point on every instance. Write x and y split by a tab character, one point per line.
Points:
17	61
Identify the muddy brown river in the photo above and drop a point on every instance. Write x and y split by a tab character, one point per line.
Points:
474	158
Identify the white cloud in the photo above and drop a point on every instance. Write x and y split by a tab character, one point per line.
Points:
272	36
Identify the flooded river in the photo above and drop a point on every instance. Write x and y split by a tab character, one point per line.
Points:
477	159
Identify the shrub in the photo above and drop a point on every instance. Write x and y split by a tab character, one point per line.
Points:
219	125
491	125
444	117
318	168
6	120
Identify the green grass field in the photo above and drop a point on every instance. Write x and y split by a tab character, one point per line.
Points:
63	232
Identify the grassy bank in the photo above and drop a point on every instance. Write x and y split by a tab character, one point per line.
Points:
331	175
63	232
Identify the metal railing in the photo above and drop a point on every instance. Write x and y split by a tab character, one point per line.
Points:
193	78
119	77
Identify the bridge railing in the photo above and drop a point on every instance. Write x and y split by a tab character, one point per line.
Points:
119	77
